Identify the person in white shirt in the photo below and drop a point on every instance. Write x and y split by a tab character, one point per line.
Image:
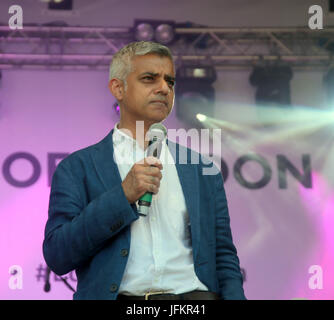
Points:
183	248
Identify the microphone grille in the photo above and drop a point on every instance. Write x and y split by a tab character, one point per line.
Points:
158	128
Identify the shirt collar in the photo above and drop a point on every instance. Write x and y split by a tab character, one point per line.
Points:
120	137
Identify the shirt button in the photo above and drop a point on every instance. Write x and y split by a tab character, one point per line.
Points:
124	252
113	287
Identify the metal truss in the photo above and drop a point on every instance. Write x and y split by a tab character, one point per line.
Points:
64	47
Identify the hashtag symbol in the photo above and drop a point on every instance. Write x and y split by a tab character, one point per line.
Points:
41	272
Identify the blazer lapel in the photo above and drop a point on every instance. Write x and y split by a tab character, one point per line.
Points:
189	183
104	162
106	167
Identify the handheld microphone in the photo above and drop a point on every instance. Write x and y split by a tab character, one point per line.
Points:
156	134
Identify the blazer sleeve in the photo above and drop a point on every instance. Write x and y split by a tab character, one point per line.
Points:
228	269
74	231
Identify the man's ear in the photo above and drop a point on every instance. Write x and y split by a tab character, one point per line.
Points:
116	87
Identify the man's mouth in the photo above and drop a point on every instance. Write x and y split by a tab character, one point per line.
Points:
160	102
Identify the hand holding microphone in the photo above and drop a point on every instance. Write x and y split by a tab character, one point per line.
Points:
143	180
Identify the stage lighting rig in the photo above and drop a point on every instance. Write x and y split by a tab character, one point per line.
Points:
154	30
194	93
273	84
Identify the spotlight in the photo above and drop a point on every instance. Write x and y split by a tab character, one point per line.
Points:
273	85
331	6
144	32
150	30
194	93
164	33
207	74
60	5
201	117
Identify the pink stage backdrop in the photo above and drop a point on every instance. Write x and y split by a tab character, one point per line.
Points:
278	180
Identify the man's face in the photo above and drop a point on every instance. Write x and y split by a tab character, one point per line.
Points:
149	96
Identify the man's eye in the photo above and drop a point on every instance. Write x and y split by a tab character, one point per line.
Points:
148	77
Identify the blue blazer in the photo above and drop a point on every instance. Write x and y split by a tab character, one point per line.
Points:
88	227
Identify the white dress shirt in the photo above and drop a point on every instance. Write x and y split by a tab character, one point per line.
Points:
160	257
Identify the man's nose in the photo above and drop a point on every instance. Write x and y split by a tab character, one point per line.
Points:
163	87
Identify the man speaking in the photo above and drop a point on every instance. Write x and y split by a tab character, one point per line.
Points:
180	247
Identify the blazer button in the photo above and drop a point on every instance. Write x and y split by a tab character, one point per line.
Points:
124	252
113	287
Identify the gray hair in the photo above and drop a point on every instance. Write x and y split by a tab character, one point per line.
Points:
121	64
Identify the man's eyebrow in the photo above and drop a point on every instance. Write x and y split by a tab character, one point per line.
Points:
149	73
156	74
